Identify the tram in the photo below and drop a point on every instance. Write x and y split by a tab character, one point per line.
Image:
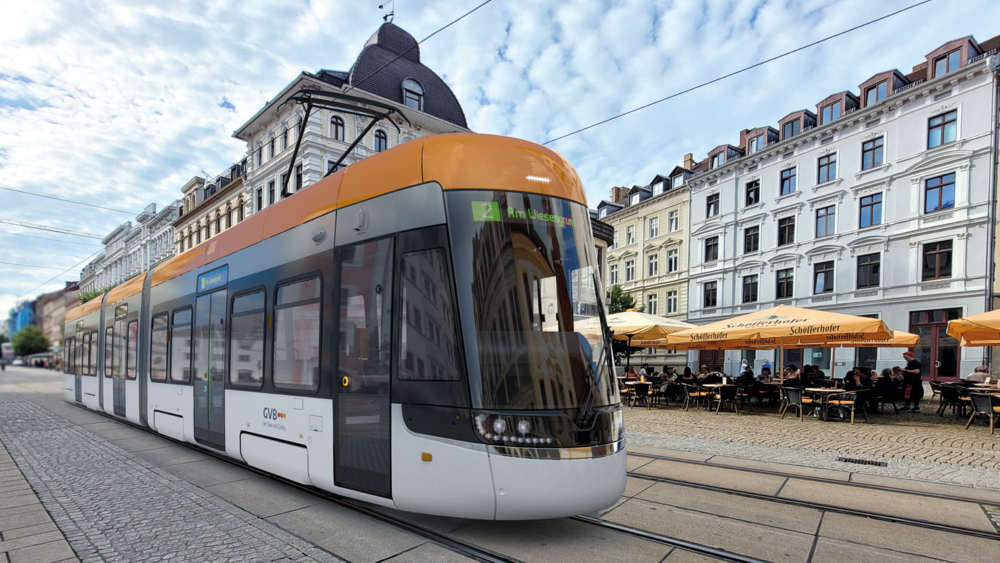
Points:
401	332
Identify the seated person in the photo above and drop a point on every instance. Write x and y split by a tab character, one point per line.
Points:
979	374
714	377
719	370
746	378
765	374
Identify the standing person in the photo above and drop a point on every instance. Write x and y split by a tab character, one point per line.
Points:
913	384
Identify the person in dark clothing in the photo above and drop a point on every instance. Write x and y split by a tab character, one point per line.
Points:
913	384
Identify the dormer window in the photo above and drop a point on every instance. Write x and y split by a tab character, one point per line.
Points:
602	213
634	200
790	129
718	160
831	112
657	188
876	93
944	65
678	181
413	94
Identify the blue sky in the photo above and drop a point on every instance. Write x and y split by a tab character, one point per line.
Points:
119	104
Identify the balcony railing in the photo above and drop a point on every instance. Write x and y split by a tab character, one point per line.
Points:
910	85
983	56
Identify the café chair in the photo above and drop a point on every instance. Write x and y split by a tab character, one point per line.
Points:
852	401
693	394
793	397
986	405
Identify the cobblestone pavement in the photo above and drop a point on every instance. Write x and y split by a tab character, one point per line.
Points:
114	506
920	446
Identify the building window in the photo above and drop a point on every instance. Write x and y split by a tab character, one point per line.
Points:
786	231
823	278
298	177
614	242
871	153
785	281
270	192
750	289
260	199
947	63
830	113
876	93
788	181
827	168
751	239
753	193
673	220
671	261
678	181
711	295
653	265
651	304
718	160
613	274
712	205
629	235
868	270
270	149
337	128
937	260
654	227
671	302
630	270
381	141
826	221
413	94
752	147
939	193
602	213
657	189
634	199
942	129
284	139
711	249
260	156
871	210
790	129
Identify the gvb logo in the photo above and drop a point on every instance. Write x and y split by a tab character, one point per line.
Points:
273	414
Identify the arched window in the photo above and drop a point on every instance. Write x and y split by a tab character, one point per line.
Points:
413	94
381	141
337	128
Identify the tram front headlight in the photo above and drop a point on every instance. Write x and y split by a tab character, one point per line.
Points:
524	427
499	425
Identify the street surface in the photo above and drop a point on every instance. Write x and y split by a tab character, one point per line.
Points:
77	486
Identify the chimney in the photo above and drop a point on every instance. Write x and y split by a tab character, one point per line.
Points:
743	138
619	193
688	161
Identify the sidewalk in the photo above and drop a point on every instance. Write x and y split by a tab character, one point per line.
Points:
27	532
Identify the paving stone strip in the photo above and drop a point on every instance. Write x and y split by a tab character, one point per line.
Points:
114	506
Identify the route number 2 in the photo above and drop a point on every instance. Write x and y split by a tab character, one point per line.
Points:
486	211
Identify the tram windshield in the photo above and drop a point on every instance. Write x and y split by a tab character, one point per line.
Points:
529	290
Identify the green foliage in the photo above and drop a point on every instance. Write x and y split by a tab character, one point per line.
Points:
622	351
88	295
619	301
3	338
30	340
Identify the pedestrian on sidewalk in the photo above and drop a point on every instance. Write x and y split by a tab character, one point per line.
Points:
913	384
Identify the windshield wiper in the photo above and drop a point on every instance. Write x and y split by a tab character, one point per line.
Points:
586	415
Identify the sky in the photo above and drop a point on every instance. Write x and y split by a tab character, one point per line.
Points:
119	103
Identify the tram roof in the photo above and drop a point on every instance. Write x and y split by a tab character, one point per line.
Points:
456	161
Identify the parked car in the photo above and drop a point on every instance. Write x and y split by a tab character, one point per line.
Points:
18	362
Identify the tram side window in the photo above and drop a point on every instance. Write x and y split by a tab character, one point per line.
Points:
67	346
71	356
158	349
92	342
109	352
296	335
131	354
246	349
428	331
180	350
85	355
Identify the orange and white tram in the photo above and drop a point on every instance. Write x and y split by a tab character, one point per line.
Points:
401	332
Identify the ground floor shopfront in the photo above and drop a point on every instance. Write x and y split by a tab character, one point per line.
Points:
940	356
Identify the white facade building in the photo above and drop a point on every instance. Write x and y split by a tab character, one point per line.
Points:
131	249
879	204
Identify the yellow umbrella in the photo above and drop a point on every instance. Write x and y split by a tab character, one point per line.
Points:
900	339
978	330
635	325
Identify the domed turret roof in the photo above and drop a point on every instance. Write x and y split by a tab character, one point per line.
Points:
392	43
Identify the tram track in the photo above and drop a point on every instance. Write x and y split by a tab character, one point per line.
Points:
958	530
446	541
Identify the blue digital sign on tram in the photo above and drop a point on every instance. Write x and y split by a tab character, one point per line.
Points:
218	277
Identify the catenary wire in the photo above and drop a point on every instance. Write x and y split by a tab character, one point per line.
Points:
742	70
68	200
456	20
30	266
73	267
48	239
51	229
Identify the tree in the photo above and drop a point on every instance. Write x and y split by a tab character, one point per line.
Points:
3	338
30	340
619	301
88	295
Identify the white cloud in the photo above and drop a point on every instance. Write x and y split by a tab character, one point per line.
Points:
118	104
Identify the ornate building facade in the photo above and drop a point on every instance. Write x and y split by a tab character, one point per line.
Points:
131	249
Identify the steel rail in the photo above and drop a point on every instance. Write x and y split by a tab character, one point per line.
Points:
940	496
958	530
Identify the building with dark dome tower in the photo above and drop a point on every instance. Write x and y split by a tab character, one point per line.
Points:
387	70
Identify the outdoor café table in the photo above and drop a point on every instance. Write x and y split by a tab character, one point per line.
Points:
824	393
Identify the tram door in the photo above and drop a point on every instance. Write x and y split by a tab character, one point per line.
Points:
362	450
209	367
120	336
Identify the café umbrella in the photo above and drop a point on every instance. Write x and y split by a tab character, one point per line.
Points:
978	330
633	324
